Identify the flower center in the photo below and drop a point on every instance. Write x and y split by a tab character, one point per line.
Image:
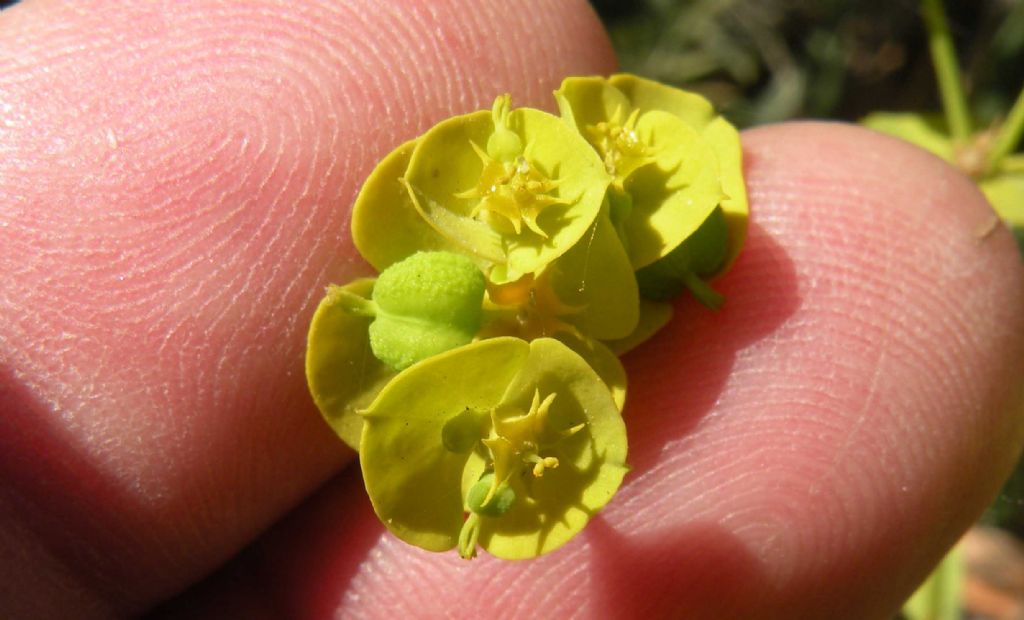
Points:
525	441
528	308
619	145
511	194
517	443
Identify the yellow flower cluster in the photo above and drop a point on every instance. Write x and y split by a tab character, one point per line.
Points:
519	254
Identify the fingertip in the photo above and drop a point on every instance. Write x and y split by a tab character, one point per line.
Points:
181	181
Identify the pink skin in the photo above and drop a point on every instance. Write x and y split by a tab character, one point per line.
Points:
174	193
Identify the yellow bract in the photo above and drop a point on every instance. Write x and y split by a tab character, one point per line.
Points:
551	434
342	373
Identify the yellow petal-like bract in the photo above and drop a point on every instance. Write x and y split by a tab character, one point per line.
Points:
550	432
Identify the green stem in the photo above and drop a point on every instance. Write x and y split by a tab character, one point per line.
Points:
947	70
468	536
1009	135
352	303
938	598
703	291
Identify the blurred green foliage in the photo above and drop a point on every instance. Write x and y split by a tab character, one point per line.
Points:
765	61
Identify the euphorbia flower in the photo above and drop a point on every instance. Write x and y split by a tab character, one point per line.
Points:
674	163
531	421
514	188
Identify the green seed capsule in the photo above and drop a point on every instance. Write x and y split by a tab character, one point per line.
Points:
701	255
426	304
483	501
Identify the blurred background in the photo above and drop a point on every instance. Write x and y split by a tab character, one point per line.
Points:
771	60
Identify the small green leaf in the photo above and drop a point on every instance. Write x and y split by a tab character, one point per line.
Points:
342	372
927	131
939	597
1005	192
